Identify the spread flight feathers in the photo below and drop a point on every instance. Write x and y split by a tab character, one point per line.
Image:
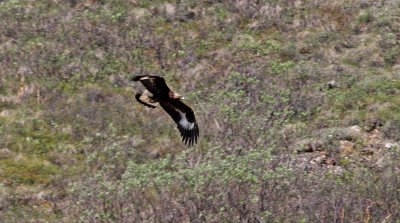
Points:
159	93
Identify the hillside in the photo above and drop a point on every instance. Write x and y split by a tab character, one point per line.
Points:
297	102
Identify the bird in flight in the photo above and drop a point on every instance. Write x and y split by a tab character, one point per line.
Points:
157	92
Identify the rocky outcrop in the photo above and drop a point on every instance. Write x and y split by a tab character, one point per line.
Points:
343	148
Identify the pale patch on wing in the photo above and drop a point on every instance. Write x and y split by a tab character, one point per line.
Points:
145	98
146	78
185	123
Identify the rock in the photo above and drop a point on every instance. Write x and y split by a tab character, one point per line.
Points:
188	16
24	70
3	199
396	68
330	161
13	99
332	84
376	60
5	153
364	4
346	147
67	129
337	170
170	9
304	148
367	151
320	159
371	125
355	128
380	162
391	145
140	13
154	154
6	113
42	195
26	90
308	145
99	54
341	134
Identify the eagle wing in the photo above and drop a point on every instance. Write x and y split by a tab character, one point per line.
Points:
184	118
145	98
155	84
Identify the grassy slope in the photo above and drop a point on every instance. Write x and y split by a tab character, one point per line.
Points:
260	77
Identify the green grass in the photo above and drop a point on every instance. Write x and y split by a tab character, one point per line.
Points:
257	77
28	171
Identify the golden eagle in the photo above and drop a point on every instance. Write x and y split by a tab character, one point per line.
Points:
159	93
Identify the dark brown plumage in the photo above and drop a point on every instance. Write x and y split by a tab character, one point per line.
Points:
159	93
